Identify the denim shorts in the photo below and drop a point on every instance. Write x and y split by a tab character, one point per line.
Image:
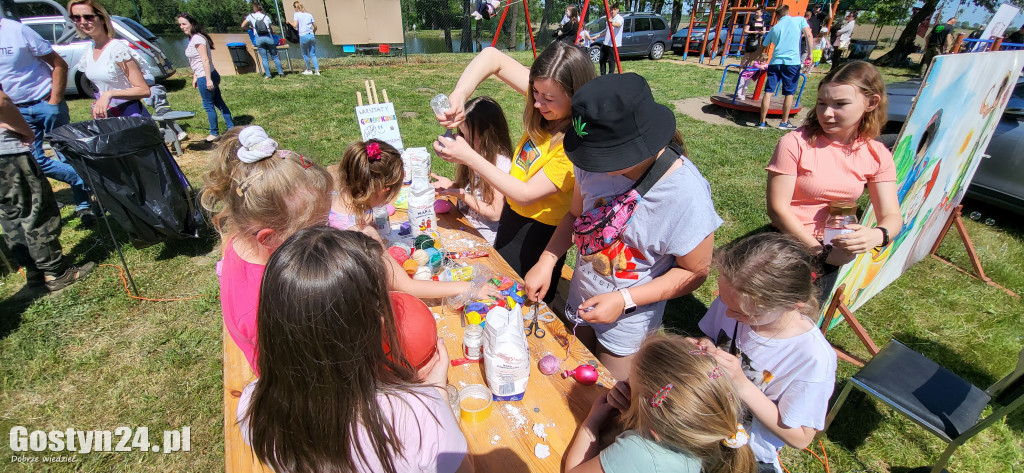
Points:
786	74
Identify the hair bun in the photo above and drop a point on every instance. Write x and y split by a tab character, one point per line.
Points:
256	144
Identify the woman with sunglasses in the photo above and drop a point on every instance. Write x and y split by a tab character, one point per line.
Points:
111	64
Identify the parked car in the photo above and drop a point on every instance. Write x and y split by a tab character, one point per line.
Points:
60	32
643	34
719	37
999	179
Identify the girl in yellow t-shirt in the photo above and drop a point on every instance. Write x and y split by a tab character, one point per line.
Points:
539	187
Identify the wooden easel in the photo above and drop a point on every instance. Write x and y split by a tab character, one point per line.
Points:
858	329
837	298
979	273
371	93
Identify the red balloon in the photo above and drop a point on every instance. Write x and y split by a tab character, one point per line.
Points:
584	374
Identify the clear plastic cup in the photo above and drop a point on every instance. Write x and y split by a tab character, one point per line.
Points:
475	403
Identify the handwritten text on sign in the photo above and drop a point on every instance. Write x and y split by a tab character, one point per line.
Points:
379	121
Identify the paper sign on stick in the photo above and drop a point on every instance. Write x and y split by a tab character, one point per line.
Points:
378	121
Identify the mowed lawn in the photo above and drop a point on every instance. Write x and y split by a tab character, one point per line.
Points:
91	358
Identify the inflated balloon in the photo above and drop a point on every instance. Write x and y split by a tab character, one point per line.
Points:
442	206
584	374
549	364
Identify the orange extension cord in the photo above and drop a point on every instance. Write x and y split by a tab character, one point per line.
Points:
824	462
124	280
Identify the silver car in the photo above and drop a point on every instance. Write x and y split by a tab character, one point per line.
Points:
60	32
999	179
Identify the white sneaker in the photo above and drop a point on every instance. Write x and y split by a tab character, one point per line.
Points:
307	72
317	73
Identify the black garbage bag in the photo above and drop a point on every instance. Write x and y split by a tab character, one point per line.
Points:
133	175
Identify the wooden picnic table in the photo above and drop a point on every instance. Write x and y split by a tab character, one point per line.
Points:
507	440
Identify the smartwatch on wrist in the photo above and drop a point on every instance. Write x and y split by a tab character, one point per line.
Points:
630	306
885	236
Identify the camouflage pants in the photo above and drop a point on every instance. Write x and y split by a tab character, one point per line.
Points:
29	217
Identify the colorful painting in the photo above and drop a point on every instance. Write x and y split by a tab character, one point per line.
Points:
941	145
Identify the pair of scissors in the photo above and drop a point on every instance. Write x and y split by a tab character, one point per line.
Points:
534	328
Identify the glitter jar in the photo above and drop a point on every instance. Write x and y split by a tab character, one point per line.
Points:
473	342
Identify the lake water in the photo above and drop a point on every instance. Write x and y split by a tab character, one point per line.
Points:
173	46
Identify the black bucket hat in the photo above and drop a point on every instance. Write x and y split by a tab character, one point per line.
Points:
616	124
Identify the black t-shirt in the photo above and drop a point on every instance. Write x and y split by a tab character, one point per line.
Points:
939	35
1016	37
756	22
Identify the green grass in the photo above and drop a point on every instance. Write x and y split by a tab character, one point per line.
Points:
90	358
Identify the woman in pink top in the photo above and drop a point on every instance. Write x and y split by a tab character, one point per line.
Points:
832	158
204	77
257	203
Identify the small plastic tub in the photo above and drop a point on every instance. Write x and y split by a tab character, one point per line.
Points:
475	403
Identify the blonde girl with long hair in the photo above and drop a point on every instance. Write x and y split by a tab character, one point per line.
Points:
258	197
305	24
539	188
679	413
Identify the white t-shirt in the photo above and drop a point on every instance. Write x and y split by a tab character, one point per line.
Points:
24	76
423	422
305	21
617	19
195	61
487	228
673	218
252	18
105	72
797	374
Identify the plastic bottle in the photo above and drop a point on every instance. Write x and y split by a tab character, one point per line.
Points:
381	221
440	104
421	195
840	214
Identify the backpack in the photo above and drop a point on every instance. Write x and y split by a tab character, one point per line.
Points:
291	34
260	25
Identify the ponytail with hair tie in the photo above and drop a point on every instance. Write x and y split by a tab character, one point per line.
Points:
256	145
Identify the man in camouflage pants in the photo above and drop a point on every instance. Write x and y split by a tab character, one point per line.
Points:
28	210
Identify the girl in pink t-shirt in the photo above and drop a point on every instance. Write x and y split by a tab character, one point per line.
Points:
259	197
832	158
332	396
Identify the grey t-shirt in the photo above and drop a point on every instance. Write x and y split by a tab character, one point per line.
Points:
10	143
670	221
632	453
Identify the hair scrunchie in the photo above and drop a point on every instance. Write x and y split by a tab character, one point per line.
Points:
739	439
256	144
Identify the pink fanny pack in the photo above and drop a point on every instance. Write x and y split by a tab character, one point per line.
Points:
596	229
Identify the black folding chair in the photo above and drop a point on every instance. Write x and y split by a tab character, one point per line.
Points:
933	396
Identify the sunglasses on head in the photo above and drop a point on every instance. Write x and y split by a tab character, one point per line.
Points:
78	18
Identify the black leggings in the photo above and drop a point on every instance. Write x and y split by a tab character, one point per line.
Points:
521	240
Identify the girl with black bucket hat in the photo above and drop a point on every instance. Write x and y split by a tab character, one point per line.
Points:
538	190
641	218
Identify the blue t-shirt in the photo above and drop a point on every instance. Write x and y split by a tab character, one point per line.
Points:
23	74
632	453
786	36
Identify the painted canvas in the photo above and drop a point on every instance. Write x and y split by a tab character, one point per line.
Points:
943	139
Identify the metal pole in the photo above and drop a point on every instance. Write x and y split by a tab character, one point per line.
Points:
280	27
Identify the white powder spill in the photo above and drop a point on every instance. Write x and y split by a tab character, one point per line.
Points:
539	430
542	451
517	416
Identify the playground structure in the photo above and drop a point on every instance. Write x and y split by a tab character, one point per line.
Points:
533	42
737	12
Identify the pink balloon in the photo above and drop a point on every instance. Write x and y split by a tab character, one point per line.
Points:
391	209
442	206
584	374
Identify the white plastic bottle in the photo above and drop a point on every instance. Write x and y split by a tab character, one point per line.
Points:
381	221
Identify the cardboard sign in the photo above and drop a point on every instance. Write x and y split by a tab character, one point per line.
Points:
378	121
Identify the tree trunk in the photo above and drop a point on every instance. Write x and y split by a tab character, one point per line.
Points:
659	5
897	57
511	27
466	40
677	14
545	21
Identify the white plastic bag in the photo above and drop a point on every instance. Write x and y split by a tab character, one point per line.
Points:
506	354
